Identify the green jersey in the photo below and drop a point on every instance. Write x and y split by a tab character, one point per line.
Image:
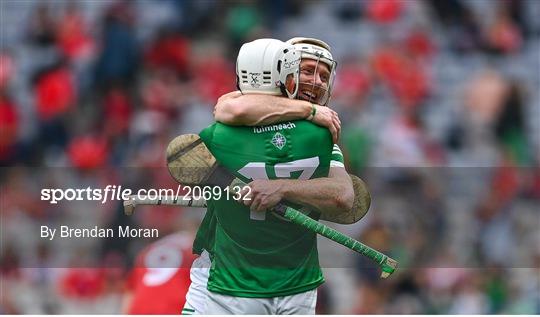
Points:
262	254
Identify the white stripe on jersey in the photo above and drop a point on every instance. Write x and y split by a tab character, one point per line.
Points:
336	164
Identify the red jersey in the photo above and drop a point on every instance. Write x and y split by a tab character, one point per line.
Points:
160	279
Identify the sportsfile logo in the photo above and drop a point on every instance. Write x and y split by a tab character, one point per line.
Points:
109	193
118	193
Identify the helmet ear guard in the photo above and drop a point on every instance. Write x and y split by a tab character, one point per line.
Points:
288	67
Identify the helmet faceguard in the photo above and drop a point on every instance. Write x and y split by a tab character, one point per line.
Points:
319	51
268	66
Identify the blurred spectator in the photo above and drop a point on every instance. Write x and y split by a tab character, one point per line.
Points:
8	307
349	11
496	289
118	111
404	142
384	11
195	18
165	93
119	56
369	299
510	129
55	92
9	126
242	19
170	51
483	99
516	10
469	297
408	296
441	281
419	44
533	180
7	69
55	95
73	40
87	152
213	77
145	125
484	95
405	78
353	83
42	26
82	283
9	115
10	263
277	11
503	35
448	12
463	29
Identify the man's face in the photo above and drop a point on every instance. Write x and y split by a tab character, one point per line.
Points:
314	81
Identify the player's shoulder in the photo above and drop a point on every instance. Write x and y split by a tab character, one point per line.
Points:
206	133
221	129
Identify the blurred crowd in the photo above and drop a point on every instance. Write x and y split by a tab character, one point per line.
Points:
441	117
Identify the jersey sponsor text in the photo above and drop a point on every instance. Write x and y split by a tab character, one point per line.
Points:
274	127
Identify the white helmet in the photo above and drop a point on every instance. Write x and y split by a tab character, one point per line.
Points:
268	66
320	51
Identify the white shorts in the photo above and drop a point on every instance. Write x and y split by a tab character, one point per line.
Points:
297	304
200	301
197	295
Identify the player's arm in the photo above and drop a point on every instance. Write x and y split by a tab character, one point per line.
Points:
333	196
361	204
235	108
330	195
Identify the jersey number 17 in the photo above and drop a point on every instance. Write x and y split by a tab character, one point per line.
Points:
257	170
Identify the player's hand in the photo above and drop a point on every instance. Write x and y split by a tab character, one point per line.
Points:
262	194
328	118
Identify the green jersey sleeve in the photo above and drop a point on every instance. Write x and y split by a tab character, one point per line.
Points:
337	157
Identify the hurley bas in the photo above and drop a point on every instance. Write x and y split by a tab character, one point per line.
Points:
96	232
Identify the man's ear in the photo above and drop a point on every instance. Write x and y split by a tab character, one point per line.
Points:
290	84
